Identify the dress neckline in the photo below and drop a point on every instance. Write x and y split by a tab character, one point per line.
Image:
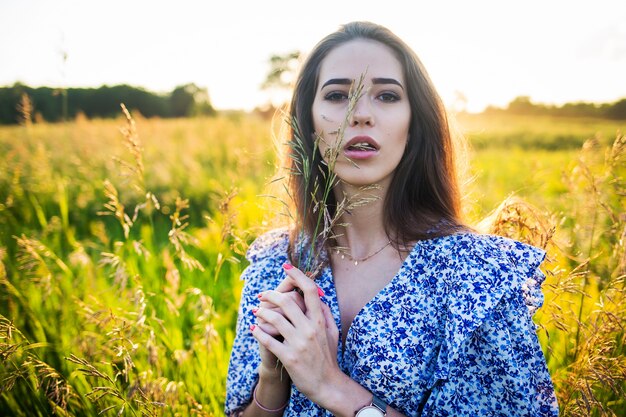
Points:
328	275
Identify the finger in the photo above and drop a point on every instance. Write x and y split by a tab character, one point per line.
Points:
331	326
310	291
277	320
328	316
297	298
288	307
269	342
289	284
267	327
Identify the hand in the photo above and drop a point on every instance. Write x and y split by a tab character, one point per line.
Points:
266	326
308	350
269	362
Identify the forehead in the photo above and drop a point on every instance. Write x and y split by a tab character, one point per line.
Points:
353	58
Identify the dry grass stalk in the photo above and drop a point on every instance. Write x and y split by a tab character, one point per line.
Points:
8	346
51	383
21	364
133	144
517	219
25	110
116	208
135	173
117	263
598	369
33	258
308	252
228	215
180	239
127	334
98	393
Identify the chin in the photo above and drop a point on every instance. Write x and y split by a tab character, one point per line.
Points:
362	181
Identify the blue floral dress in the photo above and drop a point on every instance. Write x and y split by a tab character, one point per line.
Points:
450	335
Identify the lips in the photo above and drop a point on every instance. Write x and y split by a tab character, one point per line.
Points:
362	143
361	147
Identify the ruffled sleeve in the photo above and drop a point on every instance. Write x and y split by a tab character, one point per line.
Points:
490	362
266	255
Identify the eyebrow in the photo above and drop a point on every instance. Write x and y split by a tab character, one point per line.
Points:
348	81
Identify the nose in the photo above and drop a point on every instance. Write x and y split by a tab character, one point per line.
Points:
362	113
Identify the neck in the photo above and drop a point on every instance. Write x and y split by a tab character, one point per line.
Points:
363	230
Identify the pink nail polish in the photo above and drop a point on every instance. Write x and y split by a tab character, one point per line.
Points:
252	327
254	310
259	295
287	266
320	292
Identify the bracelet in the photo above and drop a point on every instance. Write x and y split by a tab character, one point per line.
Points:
268	410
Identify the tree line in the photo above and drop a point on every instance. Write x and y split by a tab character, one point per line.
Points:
524	106
54	104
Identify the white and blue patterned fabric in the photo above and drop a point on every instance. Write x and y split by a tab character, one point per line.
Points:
450	335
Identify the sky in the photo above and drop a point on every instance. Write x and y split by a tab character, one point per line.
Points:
488	51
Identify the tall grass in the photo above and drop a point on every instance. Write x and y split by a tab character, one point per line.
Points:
113	300
121	245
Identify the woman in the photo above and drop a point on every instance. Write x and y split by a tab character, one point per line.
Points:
412	313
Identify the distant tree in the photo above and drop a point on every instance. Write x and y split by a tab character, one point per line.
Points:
579	109
459	104
279	79
181	100
190	100
521	105
9	97
202	103
617	110
282	70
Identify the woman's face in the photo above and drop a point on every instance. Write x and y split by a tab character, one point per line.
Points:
377	131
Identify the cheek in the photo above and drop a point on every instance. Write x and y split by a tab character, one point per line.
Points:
316	115
403	127
325	130
326	118
399	136
399	128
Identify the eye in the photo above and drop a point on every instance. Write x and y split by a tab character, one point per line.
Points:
388	97
336	96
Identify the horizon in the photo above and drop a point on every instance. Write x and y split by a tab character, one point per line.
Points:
261	106
478	55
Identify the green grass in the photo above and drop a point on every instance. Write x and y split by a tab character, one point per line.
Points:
535	132
123	297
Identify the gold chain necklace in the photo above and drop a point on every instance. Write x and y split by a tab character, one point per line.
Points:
356	261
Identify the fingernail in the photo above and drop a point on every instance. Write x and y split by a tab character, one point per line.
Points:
259	295
252	327
320	292
287	266
254	310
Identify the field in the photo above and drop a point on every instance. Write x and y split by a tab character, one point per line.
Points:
122	241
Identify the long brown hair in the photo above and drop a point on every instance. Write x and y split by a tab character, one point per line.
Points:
423	199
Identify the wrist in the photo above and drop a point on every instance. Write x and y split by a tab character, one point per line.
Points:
276	374
270	398
271	393
344	396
